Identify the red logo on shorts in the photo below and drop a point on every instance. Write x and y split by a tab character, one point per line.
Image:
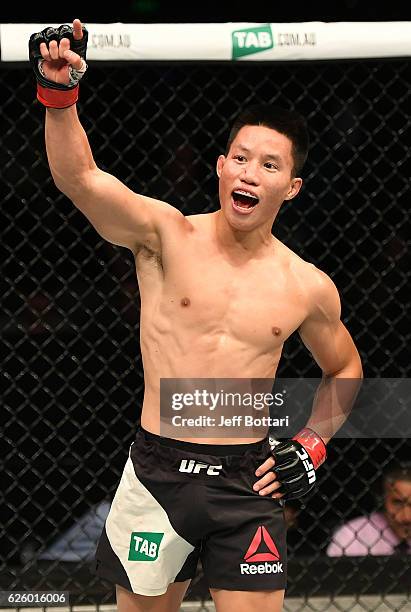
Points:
251	556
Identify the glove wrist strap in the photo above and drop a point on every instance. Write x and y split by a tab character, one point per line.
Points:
57	98
313	444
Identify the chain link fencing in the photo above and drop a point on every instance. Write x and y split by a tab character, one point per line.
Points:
70	304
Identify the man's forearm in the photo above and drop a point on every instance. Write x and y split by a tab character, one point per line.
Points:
334	400
68	149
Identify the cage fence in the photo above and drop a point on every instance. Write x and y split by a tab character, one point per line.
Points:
70	312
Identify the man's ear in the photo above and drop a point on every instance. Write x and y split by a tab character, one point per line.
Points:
295	187
220	163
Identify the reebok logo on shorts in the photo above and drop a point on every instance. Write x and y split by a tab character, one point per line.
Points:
144	546
262	548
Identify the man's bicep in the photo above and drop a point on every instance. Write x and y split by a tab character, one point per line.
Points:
329	343
120	215
323	332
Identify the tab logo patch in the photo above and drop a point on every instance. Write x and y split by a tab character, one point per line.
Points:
144	546
251	40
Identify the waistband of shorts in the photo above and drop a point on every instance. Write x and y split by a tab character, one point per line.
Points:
218	450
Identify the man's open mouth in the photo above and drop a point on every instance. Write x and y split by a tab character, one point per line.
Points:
244	201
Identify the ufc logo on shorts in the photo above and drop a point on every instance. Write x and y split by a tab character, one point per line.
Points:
309	468
194	467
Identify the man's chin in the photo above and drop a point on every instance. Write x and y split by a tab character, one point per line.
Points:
400	532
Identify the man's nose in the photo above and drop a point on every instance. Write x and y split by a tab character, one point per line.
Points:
407	514
403	515
249	174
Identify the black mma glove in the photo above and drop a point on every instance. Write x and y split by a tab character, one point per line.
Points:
49	93
296	461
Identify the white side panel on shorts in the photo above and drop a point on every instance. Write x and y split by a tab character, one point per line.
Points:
134	509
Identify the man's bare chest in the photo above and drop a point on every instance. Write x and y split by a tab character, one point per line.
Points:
257	302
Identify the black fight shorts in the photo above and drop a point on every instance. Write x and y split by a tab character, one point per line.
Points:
178	502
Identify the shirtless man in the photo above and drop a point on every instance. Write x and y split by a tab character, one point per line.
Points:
219	297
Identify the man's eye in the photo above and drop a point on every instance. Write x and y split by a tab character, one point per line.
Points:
270	166
240	158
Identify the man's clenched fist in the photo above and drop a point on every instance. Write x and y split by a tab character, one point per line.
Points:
290	471
58	58
296	462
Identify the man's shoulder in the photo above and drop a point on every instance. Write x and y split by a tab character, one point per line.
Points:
173	219
200	218
313	277
317	288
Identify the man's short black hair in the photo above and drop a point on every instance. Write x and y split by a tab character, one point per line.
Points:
287	122
397	471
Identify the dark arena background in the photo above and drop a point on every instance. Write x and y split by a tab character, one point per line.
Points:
70	303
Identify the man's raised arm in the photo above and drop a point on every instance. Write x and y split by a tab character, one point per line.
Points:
117	213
